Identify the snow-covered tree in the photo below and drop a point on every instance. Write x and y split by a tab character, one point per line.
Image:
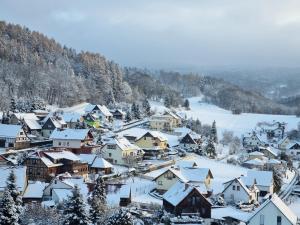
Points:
135	110
14	192
277	177
213	132
75	209
186	104
8	210
167	102
12	106
121	217
146	107
210	149
98	201
128	117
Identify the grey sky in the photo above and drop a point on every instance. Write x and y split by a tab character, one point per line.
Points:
169	33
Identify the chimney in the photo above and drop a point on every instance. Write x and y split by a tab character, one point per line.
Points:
186	186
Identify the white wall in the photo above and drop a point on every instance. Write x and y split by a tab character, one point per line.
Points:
240	195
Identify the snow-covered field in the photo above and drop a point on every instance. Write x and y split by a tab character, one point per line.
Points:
225	120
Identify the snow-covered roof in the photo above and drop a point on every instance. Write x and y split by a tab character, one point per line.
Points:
69	134
49	163
240	181
280	205
257	162
9	131
32	124
71	117
62	155
178	192
29	116
256	153
101	163
104	110
20	173
155	134
262	178
34	189
62	194
223	212
186	164
123	143
89	158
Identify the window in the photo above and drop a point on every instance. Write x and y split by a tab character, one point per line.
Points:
278	220
238	188
21	133
262	220
109	154
159	182
59	143
145	138
233	187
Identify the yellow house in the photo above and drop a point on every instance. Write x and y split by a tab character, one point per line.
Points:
120	151
153	143
197	176
176	120
161	122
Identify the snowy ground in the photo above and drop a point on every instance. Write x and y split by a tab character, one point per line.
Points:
225	120
294	204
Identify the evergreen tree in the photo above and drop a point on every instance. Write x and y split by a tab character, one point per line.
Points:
167	102
137	113
13	189
12	106
277	178
133	109
146	107
213	132
8	210
210	149
98	201
186	104
75	209
122	217
128	117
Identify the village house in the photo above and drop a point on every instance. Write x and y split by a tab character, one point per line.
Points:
166	178
255	163
51	123
44	165
120	151
41	114
256	155
273	212
91	120
168	121
275	129
97	165
293	149
72	119
31	126
16	118
185	199
34	192
75	140
13	136
153	143
283	143
270	152
236	191
252	140
101	111
191	140
118	114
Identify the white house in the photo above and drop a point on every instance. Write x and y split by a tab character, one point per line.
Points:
293	149
71	138
236	191
273	212
13	136
100	110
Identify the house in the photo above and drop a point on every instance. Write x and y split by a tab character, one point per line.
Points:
263	181
17	118
165	122
31	126
125	196
256	155
96	164
92	120
153	143
251	140
21	178
166	178
101	111
76	140
118	114
236	191
71	119
45	165
186	199
275	129
61	187
191	140
41	114
283	143
255	163
120	151
270	152
51	123
13	136
176	120
293	149
34	191
273	212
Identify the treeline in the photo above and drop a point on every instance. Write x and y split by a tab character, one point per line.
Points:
33	65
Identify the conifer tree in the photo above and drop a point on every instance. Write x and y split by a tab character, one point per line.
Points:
167	102
98	201
137	113
210	149
186	104
277	178
13	189
75	209
133	109
8	210
146	107
12	106
213	132
128	117
122	217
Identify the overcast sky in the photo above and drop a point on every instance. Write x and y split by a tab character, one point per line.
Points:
169	33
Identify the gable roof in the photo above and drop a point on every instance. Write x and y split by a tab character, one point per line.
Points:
238	180
9	131
178	192
188	139
32	124
104	110
35	189
154	134
71	117
123	143
101	163
280	205
62	155
262	178
70	134
29	116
